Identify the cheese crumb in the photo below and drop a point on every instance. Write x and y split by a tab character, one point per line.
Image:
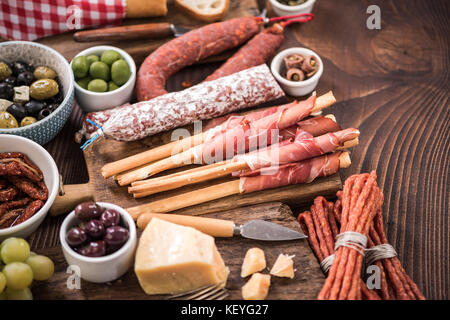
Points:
283	266
257	287
254	261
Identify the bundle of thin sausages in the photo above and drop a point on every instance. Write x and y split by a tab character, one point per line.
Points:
358	209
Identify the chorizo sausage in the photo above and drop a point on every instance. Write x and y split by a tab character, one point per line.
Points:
256	51
191	47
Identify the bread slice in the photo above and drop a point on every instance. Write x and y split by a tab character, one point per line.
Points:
205	10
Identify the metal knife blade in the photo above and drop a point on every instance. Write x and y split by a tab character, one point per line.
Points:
267	231
179	30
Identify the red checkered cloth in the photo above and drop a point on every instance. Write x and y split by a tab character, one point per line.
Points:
33	19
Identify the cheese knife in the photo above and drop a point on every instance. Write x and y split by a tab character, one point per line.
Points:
254	229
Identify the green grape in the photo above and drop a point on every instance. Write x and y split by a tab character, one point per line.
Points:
21	294
15	250
32	253
2	282
42	267
18	275
5	242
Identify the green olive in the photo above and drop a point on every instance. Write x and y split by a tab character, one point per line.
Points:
5	71
120	72
44	73
99	70
92	58
112	86
7	120
27	121
80	66
109	56
97	85
43	89
84	82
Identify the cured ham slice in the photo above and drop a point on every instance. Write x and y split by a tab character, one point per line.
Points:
246	134
304	146
292	173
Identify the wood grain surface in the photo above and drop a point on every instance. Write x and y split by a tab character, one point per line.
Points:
392	84
306	284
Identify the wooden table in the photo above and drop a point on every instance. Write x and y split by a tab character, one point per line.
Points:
392	84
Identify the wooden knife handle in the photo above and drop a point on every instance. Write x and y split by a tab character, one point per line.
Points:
74	194
133	32
213	227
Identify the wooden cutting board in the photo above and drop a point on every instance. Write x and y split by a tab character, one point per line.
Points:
306	284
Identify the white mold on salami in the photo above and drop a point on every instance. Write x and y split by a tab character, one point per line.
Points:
206	100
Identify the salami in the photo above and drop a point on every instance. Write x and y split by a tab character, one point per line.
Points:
258	50
207	100
193	46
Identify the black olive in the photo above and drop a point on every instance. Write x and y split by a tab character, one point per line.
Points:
33	107
21	66
25	78
18	111
53	106
10	80
43	113
6	91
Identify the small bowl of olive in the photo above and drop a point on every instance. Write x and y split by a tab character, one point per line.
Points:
291	7
104	77
36	90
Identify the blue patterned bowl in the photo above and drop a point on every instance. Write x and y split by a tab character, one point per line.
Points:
39	55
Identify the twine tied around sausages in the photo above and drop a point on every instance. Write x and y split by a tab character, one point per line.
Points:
358	242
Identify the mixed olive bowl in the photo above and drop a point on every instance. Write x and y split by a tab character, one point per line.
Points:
40	55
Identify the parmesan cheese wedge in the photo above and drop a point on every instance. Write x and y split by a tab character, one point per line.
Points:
254	261
257	287
283	266
172	259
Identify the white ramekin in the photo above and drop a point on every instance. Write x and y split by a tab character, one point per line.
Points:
45	162
296	88
91	101
284	10
106	268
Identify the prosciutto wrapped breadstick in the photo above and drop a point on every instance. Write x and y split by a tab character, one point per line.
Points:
304	146
237	139
178	146
293	173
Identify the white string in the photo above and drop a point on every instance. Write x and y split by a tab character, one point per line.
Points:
351	239
326	263
382	251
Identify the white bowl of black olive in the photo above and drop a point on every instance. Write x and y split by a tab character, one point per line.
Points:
36	90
